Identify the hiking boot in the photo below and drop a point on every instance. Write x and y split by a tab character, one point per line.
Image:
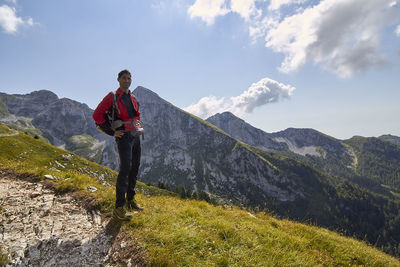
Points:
132	205
120	214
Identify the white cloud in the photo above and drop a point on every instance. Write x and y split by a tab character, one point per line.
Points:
258	94
276	4
208	10
207	106
341	35
260	27
398	30
9	20
245	8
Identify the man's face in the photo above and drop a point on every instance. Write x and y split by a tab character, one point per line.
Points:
125	81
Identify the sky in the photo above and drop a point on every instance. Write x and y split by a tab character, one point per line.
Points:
330	65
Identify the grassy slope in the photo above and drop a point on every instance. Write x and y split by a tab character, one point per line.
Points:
4	129
182	232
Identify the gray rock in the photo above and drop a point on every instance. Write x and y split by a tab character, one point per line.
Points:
49	176
92	189
64	236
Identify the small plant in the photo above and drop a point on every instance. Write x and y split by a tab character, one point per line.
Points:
3	258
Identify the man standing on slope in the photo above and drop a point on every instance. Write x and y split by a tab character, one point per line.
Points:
126	109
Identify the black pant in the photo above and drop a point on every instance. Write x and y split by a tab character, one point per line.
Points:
129	158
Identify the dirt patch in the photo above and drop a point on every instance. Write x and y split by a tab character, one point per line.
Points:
127	251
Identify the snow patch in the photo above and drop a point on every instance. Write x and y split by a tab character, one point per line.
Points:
305	150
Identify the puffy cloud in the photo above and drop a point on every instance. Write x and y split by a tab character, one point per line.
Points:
9	20
341	35
398	31
245	8
207	106
208	10
258	94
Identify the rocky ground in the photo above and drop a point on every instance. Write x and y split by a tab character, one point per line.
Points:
41	228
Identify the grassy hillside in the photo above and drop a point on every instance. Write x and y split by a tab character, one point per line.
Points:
4	129
338	204
184	232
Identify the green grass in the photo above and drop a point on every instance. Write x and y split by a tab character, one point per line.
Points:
25	125
4	129
185	232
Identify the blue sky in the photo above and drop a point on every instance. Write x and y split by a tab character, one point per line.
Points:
329	65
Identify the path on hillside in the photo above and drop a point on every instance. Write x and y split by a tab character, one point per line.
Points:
11	133
40	228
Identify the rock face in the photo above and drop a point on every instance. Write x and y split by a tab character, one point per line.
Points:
246	133
57	120
310	142
306	145
180	149
63	119
30	104
298	141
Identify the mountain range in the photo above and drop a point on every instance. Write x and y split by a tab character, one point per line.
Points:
302	174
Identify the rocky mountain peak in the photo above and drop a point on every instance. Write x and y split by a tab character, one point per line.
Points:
306	136
244	132
145	95
223	116
44	95
30	104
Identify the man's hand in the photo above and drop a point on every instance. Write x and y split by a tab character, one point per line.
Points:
119	133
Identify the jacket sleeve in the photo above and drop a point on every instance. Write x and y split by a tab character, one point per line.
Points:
100	111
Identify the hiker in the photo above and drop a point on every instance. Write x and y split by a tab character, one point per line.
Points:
118	115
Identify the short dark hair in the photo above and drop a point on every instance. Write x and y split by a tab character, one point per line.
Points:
122	72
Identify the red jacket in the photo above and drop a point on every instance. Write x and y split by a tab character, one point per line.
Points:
105	105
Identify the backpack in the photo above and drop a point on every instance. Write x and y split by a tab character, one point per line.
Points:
110	115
